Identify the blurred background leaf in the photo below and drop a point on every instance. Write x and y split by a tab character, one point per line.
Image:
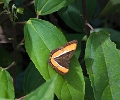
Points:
45	7
32	79
113	6
6	85
72	15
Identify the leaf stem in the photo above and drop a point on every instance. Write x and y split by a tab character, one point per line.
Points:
90	27
21	43
13	63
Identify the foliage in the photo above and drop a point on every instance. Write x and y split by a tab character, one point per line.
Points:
36	28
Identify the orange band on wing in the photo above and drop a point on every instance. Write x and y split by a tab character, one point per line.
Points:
60	68
66	49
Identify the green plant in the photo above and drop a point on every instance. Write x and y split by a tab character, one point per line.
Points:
55	22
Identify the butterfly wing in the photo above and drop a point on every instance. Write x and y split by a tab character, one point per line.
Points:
64	60
60	57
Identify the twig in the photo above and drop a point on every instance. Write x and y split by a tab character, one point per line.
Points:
21	43
37	16
85	18
13	63
15	53
22	98
29	4
21	22
90	27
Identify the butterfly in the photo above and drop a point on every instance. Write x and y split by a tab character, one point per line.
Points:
60	57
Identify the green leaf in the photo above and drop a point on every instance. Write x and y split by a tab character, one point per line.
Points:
72	14
44	7
44	92
90	7
103	65
5	99
89	95
41	37
6	2
113	6
20	10
6	85
32	78
114	35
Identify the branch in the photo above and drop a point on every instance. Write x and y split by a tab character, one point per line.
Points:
15	53
85	18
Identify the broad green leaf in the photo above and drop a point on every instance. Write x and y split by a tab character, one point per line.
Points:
44	7
72	14
89	95
41	37
113	6
44	92
32	78
103	65
114	35
6	85
5	99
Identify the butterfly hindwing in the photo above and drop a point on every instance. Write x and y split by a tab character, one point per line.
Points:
64	59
